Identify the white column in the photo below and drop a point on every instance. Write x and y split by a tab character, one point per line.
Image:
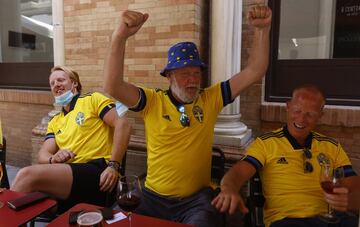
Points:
38	133
58	22
226	21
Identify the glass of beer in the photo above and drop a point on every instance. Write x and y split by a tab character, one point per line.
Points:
89	218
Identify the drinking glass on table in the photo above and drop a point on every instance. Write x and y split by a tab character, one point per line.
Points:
129	194
329	179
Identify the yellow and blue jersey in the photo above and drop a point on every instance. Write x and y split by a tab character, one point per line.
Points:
289	191
178	157
82	130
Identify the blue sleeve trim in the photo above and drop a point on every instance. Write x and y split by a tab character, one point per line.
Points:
142	102
105	110
49	136
253	161
348	171
226	92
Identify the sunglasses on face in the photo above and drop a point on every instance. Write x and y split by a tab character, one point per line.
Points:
184	118
308	168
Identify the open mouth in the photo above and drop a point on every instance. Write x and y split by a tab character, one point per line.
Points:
59	92
192	88
298	126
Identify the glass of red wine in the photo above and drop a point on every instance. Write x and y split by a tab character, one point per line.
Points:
329	179
129	194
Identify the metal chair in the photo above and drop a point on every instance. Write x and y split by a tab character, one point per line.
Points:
217	173
217	165
255	203
4	183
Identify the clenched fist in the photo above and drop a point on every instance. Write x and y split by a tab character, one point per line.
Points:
260	16
130	23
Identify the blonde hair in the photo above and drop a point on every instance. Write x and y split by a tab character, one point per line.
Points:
74	76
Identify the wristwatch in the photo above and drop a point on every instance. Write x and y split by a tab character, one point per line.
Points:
115	165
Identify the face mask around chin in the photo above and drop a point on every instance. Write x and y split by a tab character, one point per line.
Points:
64	99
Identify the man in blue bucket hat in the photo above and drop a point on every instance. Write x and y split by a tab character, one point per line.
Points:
179	122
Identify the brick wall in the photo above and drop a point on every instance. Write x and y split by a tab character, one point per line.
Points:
18	119
89	25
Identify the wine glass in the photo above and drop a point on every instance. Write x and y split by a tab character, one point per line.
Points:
329	179
129	194
1	176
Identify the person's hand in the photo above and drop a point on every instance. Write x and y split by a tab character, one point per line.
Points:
339	200
259	16
130	23
108	179
229	200
62	156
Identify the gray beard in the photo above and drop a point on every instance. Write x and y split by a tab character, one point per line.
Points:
182	94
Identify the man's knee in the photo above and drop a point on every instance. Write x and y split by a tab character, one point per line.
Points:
205	218
25	180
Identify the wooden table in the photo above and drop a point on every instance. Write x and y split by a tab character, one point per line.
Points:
136	219
10	217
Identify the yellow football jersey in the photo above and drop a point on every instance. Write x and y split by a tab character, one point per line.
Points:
82	129
179	157
288	190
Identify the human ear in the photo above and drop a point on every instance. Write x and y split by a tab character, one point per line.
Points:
288	103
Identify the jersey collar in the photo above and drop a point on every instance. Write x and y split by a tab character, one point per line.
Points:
173	99
293	141
72	104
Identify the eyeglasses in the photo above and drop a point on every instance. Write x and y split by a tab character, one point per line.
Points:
184	118
308	168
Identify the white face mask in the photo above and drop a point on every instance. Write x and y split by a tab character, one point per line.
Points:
64	99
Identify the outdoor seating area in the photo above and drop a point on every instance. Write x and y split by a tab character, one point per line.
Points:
179	113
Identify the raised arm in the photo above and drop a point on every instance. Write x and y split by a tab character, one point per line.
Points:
122	128
229	198
128	94
260	18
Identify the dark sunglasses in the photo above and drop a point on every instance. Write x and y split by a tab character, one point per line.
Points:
184	118
308	168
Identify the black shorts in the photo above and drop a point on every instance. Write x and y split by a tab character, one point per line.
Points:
85	187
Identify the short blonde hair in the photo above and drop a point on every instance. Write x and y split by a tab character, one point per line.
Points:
311	88
74	76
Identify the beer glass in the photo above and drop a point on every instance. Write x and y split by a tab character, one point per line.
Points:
89	218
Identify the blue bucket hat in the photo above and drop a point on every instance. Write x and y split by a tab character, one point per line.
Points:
182	55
